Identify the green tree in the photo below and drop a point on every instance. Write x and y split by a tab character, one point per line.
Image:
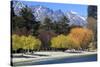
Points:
25	22
46	24
29	18
61	27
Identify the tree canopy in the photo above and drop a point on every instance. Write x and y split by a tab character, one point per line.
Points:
25	42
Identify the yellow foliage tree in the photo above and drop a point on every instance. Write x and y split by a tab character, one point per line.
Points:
16	42
62	41
25	42
72	43
33	43
59	41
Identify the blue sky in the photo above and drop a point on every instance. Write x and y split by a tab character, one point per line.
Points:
80	9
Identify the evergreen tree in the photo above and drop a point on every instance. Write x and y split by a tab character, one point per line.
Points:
29	18
25	23
62	27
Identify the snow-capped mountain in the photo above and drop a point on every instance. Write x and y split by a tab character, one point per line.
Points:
17	6
76	19
40	12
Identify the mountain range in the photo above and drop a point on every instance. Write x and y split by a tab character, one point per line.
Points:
40	12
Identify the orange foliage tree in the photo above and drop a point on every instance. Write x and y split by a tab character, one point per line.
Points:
82	35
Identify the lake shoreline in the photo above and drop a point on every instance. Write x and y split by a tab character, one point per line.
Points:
48	56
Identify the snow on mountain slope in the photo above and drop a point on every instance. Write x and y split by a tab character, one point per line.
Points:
76	19
41	12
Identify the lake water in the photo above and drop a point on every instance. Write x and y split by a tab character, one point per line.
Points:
86	58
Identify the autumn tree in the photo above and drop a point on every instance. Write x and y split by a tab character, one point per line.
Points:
30	43
59	41
16	43
83	35
25	42
72	43
77	38
65	42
